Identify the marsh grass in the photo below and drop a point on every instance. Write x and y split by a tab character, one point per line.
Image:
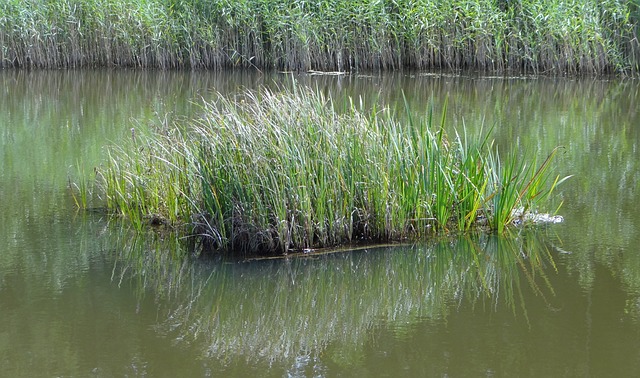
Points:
80	189
269	172
551	36
84	188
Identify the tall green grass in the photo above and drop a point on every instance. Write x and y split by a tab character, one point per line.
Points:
535	36
271	172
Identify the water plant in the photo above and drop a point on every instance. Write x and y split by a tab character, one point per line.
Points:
270	172
535	36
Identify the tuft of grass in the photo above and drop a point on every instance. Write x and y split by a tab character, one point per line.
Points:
271	172
84	187
517	187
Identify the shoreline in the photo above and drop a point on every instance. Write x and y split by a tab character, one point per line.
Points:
557	39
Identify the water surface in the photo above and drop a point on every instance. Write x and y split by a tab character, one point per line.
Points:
80	295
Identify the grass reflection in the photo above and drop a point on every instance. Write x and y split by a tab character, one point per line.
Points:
278	309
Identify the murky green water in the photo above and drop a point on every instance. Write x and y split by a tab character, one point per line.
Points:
81	296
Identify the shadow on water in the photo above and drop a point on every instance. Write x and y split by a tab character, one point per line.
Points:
277	310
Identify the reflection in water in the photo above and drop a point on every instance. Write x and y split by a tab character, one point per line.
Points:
54	268
65	312
283	309
80	297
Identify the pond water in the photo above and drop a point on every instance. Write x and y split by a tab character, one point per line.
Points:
80	295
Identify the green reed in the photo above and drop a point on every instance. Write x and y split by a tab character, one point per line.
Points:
80	190
535	36
271	172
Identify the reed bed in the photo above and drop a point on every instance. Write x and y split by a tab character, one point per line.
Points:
270	172
534	36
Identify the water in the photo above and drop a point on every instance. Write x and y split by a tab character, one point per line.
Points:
81	296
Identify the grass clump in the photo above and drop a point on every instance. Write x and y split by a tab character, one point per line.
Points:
271	172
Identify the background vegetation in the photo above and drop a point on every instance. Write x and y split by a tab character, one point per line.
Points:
543	36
